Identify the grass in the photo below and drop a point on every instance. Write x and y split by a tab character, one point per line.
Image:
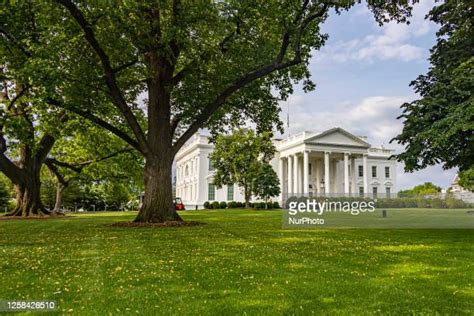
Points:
239	262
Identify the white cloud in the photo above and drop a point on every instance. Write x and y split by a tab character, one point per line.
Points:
374	117
391	41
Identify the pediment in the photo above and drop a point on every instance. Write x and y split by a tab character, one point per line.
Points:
339	137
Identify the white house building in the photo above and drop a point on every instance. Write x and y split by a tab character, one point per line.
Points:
333	162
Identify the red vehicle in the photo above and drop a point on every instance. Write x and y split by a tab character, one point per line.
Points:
178	204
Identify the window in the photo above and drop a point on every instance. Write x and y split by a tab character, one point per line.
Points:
211	192
309	169
211	167
387	191
361	191
387	172
374	191
361	171
374	172
230	192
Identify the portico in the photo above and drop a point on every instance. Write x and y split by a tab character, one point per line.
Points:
318	172
322	163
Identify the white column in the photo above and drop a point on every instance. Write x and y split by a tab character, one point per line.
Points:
326	172
346	173
318	176
305	172
333	176
280	174
290	175
295	174
353	176
198	170
365	172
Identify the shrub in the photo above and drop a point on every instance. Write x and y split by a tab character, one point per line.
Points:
223	205
421	202
215	205
263	205
207	205
231	204
451	202
438	203
240	204
275	205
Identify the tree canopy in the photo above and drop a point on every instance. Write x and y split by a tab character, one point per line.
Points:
420	190
266	183
238	159
439	127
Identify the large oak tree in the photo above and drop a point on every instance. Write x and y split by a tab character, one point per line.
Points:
155	72
32	134
439	127
28	128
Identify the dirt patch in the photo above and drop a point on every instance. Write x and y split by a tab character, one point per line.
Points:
157	225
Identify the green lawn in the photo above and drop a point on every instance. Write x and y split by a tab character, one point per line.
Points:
238	262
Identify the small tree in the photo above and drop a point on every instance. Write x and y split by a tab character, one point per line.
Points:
421	189
266	184
237	158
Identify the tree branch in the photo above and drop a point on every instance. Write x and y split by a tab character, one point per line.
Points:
18	96
15	42
45	145
10	170
110	79
125	66
53	164
7	167
99	122
63	164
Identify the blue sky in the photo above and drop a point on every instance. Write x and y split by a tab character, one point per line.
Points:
362	76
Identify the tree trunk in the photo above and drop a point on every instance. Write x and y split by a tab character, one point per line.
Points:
59	197
157	206
28	198
247	196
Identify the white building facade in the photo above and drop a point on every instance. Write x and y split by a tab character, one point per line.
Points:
332	163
